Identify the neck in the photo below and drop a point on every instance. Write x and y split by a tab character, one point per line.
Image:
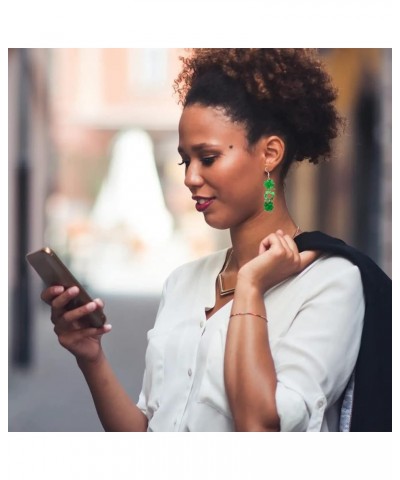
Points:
246	237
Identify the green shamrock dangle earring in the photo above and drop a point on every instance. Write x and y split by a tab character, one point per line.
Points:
269	194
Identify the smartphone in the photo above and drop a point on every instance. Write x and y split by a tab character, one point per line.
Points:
53	272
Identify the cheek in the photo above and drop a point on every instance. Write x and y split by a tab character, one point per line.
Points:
244	183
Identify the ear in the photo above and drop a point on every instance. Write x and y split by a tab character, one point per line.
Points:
273	151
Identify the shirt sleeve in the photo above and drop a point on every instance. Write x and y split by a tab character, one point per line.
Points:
316	357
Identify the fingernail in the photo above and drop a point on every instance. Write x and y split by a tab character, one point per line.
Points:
99	302
73	290
91	306
58	290
107	327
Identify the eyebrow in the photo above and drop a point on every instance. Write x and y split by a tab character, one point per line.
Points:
197	147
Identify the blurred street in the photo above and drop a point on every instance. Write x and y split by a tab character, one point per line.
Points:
52	394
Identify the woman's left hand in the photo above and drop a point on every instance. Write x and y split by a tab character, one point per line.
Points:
278	258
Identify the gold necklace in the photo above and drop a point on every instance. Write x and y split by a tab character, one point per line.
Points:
222	291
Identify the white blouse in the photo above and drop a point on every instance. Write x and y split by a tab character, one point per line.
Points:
315	322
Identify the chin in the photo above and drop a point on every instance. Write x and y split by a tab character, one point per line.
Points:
218	223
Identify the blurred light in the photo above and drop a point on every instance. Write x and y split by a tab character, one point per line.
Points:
131	197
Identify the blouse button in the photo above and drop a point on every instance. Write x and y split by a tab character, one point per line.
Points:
201	324
190	372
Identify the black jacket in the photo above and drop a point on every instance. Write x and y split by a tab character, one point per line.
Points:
372	401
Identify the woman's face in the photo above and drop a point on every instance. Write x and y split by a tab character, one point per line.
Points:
223	174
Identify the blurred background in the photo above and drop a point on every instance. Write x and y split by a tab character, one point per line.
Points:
93	173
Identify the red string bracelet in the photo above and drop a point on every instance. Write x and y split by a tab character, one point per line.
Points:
249	313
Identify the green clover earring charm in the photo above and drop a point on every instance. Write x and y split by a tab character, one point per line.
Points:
269	194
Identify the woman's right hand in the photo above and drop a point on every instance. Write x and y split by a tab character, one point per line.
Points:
83	342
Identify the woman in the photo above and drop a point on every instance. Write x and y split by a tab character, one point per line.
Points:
258	337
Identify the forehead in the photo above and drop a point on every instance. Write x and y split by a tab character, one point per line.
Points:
200	123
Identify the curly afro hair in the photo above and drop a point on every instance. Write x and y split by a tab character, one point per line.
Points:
285	92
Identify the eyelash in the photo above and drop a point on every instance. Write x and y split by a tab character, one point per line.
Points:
207	161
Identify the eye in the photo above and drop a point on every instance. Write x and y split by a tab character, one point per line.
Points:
206	161
184	162
209	160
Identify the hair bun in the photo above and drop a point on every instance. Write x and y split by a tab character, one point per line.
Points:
290	84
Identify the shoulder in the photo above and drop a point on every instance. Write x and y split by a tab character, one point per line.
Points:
332	270
330	265
372	275
334	246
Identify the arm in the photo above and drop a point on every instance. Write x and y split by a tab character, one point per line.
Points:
250	377
116	410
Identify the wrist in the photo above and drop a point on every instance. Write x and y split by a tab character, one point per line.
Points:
249	285
86	364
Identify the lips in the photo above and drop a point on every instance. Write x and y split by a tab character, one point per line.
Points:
202	203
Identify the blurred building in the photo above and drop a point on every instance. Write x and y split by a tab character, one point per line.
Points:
96	95
67	107
29	175
351	195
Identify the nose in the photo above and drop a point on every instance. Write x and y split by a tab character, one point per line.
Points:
193	177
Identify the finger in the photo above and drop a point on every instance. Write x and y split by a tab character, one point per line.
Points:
291	244
272	240
286	244
104	329
277	241
77	335
83	322
74	319
59	304
99	302
76	314
50	293
68	339
62	300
